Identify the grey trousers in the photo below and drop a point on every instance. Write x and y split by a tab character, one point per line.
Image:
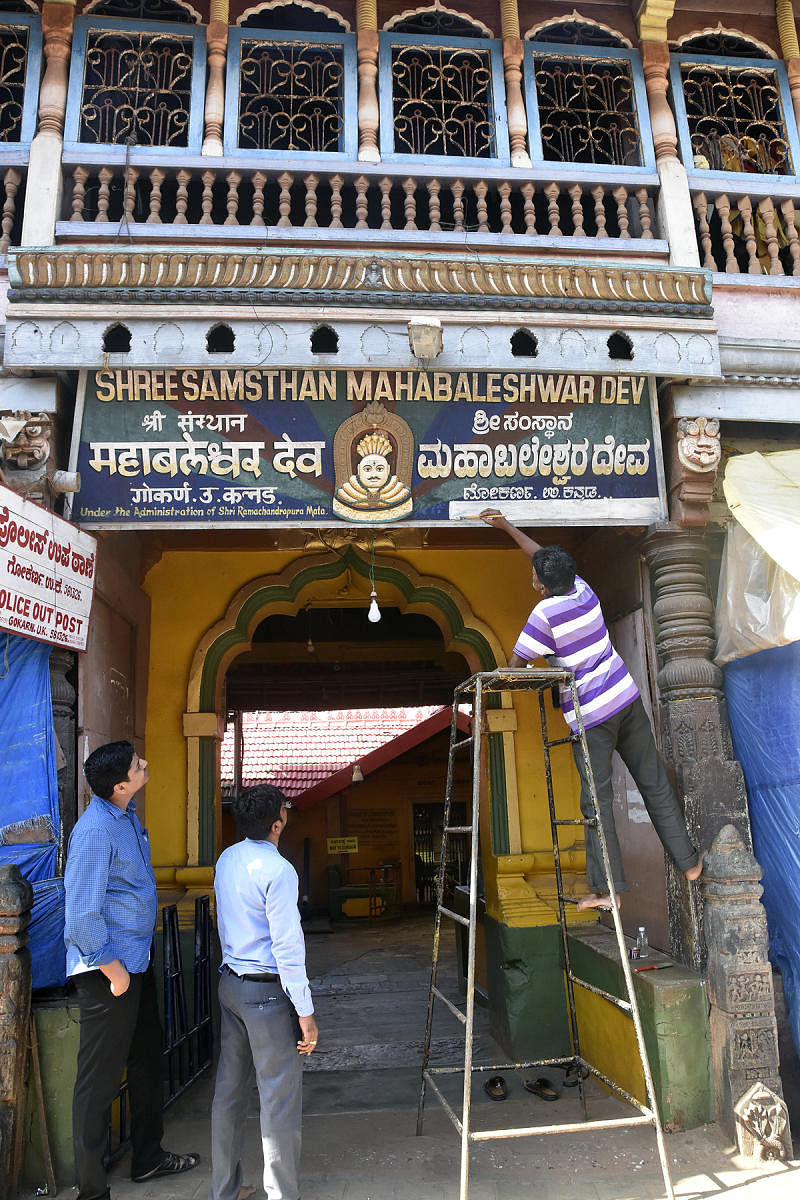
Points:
629	733
257	1032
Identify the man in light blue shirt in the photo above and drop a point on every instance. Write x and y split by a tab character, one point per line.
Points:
111	907
263	995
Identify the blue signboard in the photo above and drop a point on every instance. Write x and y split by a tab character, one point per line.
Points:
253	447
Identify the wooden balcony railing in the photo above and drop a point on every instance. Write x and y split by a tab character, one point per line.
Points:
11	216
752	230
375	205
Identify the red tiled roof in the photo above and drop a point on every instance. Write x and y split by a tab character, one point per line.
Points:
310	755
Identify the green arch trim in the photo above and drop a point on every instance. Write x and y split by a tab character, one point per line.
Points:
286	594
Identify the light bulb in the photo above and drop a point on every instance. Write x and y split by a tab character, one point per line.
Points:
374	613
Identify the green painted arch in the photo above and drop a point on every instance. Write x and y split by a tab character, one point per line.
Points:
436	599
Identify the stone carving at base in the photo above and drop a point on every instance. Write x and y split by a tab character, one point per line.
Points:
16	898
762	1125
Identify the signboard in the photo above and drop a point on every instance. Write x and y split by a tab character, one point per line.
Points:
47	571
262	447
343	845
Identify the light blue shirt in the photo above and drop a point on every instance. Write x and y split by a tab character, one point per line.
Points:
258	919
111	900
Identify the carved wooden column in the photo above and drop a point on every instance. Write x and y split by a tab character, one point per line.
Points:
675	213
692	454
367	51
696	737
63	696
16	898
42	208
513	52
744	1035
217	42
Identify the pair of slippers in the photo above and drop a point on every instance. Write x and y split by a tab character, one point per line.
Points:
496	1089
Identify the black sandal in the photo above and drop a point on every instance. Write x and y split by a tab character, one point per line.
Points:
575	1073
495	1088
541	1087
171	1164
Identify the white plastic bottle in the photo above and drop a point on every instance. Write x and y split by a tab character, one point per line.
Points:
642	945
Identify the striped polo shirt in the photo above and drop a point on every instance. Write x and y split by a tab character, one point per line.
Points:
570	632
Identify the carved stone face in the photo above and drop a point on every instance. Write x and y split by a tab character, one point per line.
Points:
32	443
373	472
699	447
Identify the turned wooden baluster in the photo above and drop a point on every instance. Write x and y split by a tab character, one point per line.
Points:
645	219
749	234
620	194
285	181
259	183
385	187
104	175
790	229
129	195
599	197
551	192
79	176
767	210
233	179
457	190
434	207
504	192
361	184
701	207
182	196
529	209
311	182
207	198
157	177
480	189
11	181
337	183
723	206
576	194
410	203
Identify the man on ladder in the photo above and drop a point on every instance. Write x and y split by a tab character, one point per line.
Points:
568	629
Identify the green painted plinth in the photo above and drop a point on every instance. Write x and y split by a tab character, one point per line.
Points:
57	1031
527	1002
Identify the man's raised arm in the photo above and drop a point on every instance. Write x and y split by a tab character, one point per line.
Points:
490	516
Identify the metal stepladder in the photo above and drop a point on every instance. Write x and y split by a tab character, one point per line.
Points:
473	691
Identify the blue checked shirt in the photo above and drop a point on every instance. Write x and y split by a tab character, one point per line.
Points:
111	900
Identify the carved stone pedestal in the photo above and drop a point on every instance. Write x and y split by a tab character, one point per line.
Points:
16	898
695	733
744	1036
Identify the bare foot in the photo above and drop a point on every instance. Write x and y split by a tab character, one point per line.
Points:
593	900
245	1191
697	870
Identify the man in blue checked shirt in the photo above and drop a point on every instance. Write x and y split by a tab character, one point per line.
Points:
111	908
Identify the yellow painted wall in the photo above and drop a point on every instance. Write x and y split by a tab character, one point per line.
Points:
190	592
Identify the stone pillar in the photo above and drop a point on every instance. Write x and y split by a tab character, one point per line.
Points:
43	192
367	52
744	1036
63	698
695	733
217	43
16	898
675	212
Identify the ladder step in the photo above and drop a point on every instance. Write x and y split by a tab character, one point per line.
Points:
448	912
457	829
624	1005
460	745
486	1135
577	821
565	741
455	1011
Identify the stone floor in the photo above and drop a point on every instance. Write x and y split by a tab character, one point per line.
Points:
361	1089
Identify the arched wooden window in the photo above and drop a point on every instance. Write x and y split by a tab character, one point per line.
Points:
291	83
734	114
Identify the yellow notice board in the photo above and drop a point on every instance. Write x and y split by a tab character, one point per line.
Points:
343	845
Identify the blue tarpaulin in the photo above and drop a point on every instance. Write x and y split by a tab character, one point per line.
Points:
763	694
29	816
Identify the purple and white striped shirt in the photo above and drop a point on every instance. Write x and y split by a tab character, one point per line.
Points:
570	632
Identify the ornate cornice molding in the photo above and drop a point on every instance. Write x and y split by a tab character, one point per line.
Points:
166	274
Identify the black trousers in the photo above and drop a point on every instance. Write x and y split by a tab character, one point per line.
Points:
116	1032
